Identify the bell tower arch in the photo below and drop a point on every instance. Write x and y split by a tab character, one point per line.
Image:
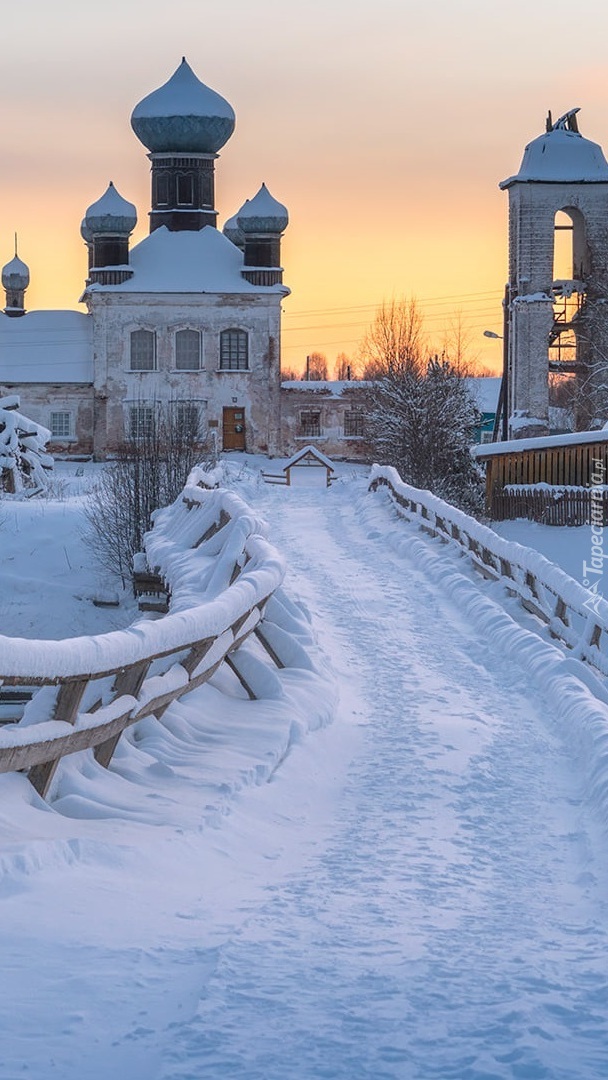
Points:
557	294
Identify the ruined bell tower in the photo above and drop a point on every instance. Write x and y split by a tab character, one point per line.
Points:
557	293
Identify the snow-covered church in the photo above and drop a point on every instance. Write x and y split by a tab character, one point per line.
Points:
188	321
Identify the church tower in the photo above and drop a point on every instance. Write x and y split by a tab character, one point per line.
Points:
557	294
15	280
183	124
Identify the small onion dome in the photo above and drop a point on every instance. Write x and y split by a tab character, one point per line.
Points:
111	214
232	232
15	275
262	214
85	232
183	116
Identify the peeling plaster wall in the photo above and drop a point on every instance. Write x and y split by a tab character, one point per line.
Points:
38	400
257	390
332	405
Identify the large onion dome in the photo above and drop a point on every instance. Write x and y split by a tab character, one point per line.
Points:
111	215
262	214
85	232
233	233
15	275
183	116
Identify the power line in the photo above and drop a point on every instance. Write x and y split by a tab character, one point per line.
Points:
468	297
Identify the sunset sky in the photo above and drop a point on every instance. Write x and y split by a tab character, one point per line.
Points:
384	127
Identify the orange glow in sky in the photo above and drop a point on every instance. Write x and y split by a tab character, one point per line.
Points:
383	127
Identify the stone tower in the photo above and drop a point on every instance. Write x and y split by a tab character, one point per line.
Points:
558	202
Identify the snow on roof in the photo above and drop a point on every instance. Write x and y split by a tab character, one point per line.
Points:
262	213
333	387
299	454
185	262
485	390
561	156
541	442
183	115
46	346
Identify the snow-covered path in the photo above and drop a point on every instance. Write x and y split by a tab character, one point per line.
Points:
455	922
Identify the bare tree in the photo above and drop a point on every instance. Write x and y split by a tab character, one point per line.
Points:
457	345
289	375
316	367
394	343
344	368
149	471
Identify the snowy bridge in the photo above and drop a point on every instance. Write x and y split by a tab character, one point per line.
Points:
224	578
575	615
208	551
417	890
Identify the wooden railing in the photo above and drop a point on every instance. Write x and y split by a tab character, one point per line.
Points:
207	553
574	614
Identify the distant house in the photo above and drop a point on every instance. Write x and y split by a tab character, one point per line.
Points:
485	391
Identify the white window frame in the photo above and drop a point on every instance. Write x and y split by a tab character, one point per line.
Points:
188	330
152	333
224	337
62	436
201	409
140	426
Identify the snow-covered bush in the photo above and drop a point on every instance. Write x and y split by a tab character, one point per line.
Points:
24	463
422	421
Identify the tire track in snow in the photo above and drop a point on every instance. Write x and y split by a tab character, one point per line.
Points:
454	926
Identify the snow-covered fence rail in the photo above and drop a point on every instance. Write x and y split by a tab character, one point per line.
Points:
209	552
575	615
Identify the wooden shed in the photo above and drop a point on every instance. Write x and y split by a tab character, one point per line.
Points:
553	479
307	466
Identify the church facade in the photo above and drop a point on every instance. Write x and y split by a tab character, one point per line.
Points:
187	322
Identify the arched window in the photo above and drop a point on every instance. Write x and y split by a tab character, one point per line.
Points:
143	350
234	350
188	350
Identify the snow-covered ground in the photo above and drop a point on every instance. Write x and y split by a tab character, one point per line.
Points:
414	890
568	547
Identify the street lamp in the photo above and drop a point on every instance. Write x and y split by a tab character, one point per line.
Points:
492	334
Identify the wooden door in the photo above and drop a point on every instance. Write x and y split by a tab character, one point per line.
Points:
234	428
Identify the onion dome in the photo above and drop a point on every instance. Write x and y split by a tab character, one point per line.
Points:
111	214
232	232
561	155
85	232
262	214
183	116
15	275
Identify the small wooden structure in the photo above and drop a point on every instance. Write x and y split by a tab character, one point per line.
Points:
553	479
300	464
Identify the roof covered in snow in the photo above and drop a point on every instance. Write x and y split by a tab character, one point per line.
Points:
183	115
309	451
46	346
186	262
110	214
540	442
485	390
561	156
263	214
